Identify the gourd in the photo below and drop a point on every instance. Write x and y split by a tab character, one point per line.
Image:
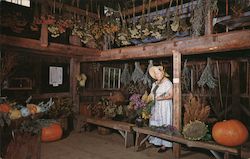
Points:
51	133
32	108
230	132
4	107
15	114
25	112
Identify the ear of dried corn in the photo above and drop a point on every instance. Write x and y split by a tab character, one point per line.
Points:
195	109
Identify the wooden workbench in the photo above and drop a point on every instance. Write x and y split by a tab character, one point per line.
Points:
142	135
124	128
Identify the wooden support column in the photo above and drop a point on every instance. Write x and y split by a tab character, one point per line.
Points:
44	28
74	70
177	98
235	76
209	22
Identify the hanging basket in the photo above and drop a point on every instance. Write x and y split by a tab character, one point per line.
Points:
75	40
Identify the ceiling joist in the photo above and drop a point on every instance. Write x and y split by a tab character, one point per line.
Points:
69	8
139	9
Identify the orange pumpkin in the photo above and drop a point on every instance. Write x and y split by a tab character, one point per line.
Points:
230	132
52	133
4	107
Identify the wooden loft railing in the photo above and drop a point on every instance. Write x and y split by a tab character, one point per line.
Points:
235	40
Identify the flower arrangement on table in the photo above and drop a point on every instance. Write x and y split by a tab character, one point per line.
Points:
141	105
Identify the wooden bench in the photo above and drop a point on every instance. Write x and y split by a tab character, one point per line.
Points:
125	129
142	134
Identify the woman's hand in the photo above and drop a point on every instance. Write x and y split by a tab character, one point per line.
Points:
165	96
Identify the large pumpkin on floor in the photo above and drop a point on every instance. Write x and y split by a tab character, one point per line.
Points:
4	107
230	132
52	133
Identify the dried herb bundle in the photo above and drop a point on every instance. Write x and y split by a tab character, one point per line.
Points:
207	77
195	109
63	107
7	63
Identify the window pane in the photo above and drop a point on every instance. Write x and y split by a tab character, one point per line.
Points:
20	2
111	77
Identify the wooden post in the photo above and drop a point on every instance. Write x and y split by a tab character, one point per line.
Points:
44	28
176	98
74	70
209	22
235	76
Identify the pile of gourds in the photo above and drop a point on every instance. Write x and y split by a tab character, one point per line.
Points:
16	111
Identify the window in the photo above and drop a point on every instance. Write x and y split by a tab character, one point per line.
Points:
111	78
20	2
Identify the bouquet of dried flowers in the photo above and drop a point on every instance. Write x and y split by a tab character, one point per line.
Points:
141	104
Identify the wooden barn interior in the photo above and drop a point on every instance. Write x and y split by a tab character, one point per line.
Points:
70	71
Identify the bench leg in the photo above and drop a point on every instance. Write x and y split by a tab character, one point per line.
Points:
140	143
129	139
226	155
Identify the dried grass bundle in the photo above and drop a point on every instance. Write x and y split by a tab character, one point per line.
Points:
7	63
195	109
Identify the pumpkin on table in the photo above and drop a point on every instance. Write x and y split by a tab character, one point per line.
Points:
52	133
230	132
4	107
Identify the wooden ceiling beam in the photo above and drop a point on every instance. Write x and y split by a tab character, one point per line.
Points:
53	48
69	8
222	42
139	9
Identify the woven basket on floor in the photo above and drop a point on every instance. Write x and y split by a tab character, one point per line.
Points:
103	130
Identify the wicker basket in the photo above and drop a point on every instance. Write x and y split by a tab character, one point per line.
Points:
103	130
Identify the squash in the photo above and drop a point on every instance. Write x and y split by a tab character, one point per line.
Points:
25	112
4	107
15	114
32	108
52	133
230	132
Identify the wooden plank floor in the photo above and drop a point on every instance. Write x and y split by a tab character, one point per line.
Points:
91	145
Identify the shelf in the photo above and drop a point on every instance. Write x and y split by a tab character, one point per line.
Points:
15	89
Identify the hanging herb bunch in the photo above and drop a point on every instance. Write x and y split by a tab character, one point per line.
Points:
7	64
207	76
199	14
59	26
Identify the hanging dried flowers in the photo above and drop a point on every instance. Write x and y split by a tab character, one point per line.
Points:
59	27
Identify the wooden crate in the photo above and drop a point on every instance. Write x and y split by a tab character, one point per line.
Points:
24	146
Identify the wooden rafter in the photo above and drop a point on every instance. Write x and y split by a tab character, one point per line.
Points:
70	8
139	9
235	40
